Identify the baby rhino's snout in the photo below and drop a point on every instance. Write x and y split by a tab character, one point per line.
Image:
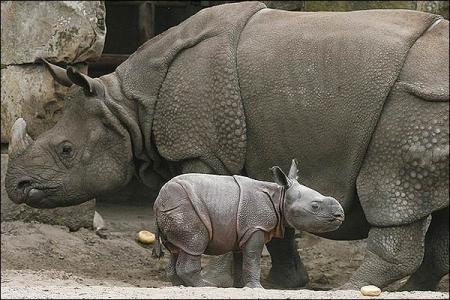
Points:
335	209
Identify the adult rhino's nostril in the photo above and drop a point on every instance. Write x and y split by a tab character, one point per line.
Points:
23	184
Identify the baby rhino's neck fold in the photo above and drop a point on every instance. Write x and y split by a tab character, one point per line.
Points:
276	194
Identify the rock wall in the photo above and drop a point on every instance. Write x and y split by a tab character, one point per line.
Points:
63	32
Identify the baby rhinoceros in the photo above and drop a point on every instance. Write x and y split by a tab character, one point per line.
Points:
211	214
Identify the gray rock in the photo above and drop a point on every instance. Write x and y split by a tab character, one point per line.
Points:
61	31
29	91
73	217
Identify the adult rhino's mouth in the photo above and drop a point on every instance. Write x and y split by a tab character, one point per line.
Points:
31	194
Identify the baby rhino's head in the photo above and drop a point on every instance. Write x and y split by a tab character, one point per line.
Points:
305	208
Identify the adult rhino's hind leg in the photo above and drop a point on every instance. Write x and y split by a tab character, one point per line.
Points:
435	263
392	253
287	269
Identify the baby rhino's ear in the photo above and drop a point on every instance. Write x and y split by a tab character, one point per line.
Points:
279	177
293	172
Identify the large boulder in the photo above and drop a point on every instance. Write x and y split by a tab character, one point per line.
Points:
68	32
29	91
61	31
73	217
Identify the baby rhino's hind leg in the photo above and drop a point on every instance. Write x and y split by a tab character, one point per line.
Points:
171	272
188	267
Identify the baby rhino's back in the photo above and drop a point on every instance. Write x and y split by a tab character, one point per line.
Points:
215	201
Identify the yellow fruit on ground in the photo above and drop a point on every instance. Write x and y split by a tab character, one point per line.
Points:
370	290
146	237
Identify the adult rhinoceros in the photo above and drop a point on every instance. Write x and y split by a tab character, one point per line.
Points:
360	98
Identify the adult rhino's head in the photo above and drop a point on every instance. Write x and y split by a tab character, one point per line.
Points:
87	153
305	208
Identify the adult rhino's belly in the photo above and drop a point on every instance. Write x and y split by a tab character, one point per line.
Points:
313	88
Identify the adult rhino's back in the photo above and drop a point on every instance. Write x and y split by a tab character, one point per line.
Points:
313	85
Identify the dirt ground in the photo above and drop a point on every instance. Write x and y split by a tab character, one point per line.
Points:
44	255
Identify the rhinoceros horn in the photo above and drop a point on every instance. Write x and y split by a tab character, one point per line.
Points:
20	139
58	73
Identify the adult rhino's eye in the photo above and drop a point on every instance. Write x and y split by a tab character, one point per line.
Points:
67	150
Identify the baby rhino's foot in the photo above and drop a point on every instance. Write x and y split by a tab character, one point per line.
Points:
254	285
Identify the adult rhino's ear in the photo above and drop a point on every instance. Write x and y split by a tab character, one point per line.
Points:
90	85
279	177
59	74
293	171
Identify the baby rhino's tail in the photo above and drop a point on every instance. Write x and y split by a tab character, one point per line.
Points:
157	251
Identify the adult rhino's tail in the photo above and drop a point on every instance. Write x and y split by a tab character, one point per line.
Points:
157	251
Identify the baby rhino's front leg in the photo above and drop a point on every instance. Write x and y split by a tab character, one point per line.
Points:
251	260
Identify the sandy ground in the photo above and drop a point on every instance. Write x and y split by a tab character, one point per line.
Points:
44	261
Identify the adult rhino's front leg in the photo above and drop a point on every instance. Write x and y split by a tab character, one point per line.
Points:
287	269
392	253
435	262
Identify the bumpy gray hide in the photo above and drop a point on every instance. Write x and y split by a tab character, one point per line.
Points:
191	70
333	78
229	208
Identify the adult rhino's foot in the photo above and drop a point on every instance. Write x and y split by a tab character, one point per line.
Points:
350	286
288	276
414	286
254	285
287	269
219	271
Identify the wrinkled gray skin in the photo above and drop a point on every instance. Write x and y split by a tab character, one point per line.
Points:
360	98
187	235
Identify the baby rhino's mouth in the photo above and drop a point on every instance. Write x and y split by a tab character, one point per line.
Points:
339	219
336	219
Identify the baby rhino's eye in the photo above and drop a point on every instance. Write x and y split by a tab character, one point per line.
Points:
315	205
